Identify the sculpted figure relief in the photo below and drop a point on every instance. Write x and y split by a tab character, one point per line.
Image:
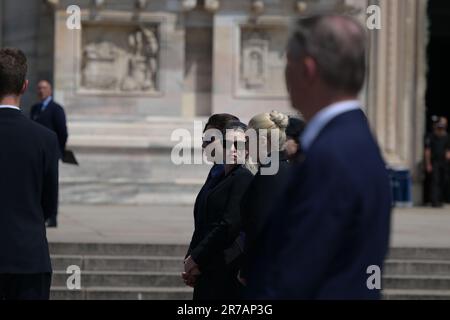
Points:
109	67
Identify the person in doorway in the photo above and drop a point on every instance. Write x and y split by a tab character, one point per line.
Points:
437	157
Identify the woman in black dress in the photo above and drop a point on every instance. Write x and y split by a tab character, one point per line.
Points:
217	223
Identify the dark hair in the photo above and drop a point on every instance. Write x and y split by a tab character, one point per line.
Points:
234	125
295	128
338	45
13	71
219	121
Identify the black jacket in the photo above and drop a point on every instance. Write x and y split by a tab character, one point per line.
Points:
28	192
53	118
262	196
217	224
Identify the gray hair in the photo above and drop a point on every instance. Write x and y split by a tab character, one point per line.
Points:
338	45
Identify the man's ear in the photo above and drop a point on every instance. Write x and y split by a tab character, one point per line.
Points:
24	87
310	68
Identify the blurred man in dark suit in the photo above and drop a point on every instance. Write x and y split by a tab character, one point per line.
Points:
52	116
437	156
332	227
28	188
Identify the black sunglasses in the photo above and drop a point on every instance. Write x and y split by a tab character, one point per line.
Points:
238	145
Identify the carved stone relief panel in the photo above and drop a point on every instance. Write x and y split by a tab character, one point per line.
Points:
262	60
254	62
120	58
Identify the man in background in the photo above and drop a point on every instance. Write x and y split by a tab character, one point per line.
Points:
28	188
437	156
52	116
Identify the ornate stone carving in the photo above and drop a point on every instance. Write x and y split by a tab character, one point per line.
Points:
112	67
188	5
98	68
254	61
261	60
302	6
258	6
212	5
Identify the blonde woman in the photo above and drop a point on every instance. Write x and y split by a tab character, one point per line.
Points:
264	189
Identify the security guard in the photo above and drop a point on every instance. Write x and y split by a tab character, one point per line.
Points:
437	155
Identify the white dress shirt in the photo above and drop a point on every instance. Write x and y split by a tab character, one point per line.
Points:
45	103
5	106
323	117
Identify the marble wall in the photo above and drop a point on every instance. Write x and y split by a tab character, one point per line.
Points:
170	62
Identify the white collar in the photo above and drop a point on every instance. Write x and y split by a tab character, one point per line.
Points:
5	106
323	117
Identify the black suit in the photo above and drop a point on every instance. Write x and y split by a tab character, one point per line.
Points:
52	117
28	195
262	195
217	225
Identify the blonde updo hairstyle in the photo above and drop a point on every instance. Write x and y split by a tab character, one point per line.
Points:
271	121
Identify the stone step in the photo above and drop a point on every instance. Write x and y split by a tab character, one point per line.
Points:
416	282
104	249
91	279
112	249
123	195
416	294
124	293
417	267
419	254
118	263
173	264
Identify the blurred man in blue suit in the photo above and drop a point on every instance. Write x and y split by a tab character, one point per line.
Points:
333	224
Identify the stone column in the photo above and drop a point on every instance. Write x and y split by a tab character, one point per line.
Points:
396	82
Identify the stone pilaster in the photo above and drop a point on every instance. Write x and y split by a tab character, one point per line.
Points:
397	81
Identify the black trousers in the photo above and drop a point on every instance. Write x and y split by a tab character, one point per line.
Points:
219	284
25	286
438	183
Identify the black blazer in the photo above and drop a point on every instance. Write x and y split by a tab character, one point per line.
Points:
53	118
262	196
334	220
28	192
218	223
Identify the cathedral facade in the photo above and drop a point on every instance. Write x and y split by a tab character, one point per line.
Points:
133	71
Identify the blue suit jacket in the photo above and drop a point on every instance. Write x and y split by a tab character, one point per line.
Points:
334	220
